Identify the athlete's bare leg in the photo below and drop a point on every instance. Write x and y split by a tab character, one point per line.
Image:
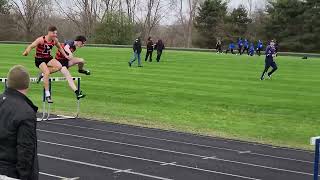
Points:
46	73
68	76
54	66
80	62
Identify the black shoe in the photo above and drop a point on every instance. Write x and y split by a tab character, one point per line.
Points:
79	94
140	66
129	64
40	76
49	100
86	72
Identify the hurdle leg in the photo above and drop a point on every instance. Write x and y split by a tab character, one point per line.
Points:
43	104
5	84
316	160
78	100
49	105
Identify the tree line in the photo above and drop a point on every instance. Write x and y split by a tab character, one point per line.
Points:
295	24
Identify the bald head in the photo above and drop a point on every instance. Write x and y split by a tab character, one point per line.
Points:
18	78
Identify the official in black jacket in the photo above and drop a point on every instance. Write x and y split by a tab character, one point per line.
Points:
149	49
137	49
159	46
18	139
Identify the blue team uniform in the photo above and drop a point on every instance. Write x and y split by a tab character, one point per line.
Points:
259	47
231	48
246	46
269	62
251	50
240	45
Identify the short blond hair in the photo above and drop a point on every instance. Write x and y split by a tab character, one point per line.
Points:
18	78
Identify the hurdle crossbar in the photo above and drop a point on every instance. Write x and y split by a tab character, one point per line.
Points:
46	109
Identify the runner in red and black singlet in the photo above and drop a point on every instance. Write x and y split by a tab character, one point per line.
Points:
43	52
43	59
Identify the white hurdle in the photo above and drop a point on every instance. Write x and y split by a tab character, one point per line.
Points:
46	107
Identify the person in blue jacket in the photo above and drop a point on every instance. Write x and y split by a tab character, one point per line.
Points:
240	45
245	46
231	48
251	50
259	47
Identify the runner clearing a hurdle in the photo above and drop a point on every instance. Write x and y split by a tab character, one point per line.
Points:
43	59
69	48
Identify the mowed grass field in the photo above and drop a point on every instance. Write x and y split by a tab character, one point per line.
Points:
202	93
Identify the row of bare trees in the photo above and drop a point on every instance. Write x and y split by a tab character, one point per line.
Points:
171	20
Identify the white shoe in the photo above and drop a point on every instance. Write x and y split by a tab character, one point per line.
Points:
269	76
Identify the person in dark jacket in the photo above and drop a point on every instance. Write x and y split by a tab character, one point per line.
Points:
269	61
159	46
136	52
219	46
149	49
18	139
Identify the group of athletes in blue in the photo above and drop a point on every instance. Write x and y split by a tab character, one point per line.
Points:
244	46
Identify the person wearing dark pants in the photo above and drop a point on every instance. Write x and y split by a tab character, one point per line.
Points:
245	46
159	46
18	137
240	45
149	50
219	46
231	48
136	53
269	62
251	50
259	47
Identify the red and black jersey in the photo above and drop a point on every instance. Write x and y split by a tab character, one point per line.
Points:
60	56
44	50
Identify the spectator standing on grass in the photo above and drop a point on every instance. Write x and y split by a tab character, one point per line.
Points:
18	139
149	49
159	46
136	52
219	46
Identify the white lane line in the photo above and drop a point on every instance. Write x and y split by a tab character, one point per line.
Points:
204	136
177	152
182	142
244	152
123	171
102	167
212	157
167	164
148	160
283	158
59	177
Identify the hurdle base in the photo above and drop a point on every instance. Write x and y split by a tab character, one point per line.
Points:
57	117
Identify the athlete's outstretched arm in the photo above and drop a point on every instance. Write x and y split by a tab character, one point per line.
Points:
61	49
31	46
